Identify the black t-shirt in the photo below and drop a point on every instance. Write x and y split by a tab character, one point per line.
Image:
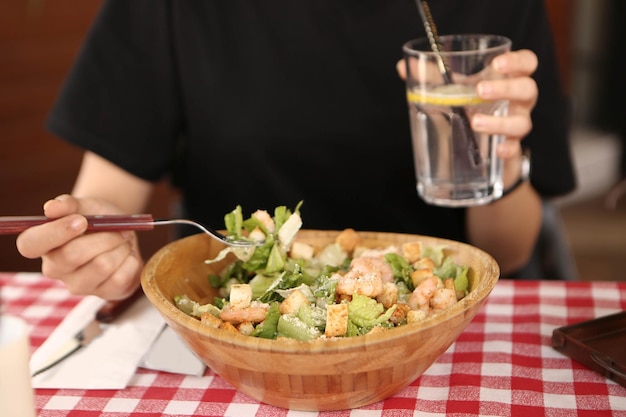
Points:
268	103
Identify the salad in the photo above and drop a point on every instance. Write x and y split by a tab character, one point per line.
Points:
284	288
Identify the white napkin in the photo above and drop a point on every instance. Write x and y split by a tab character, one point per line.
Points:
110	360
170	354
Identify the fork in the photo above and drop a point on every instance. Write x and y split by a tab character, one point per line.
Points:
10	225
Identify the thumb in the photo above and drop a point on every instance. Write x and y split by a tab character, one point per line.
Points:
61	206
401	68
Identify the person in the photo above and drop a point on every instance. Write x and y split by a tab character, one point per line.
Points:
262	104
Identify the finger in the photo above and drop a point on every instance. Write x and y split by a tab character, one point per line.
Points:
91	275
509	149
60	206
516	63
36	241
513	126
522	89
401	69
123	282
66	259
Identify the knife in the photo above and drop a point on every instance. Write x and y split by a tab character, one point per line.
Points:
106	314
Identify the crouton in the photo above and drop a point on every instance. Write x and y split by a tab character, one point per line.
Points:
300	250
348	239
245	328
412	251
336	320
389	296
415	316
208	319
420	275
424	263
240	296
228	327
449	283
293	302
399	314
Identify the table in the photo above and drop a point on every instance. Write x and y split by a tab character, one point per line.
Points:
502	364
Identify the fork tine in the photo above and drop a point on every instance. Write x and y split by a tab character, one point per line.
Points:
213	233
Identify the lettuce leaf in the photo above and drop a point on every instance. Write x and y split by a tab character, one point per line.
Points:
290	325
435	253
234	222
268	329
364	313
313	316
332	254
260	283
450	269
401	269
275	260
193	308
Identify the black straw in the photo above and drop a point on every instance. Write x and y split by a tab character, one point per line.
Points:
435	45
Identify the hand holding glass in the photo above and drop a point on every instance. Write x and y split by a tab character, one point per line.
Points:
454	165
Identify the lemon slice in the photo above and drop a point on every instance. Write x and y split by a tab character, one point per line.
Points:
454	95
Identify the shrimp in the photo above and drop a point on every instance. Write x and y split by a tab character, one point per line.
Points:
420	298
443	298
366	276
366	264
266	220
376	253
257	234
365	284
254	314
389	296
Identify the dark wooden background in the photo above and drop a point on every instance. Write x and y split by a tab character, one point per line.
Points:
38	42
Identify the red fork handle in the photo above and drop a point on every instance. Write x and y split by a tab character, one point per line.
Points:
11	225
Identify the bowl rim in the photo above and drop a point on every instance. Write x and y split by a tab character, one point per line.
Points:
172	314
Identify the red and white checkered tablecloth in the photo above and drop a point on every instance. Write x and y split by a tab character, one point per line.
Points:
501	365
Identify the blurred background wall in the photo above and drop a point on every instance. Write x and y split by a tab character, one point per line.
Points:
38	42
595	215
39	39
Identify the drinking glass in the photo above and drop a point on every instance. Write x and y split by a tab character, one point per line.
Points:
454	165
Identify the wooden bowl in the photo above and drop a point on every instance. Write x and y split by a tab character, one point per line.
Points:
326	374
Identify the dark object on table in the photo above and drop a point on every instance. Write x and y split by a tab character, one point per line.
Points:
598	344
